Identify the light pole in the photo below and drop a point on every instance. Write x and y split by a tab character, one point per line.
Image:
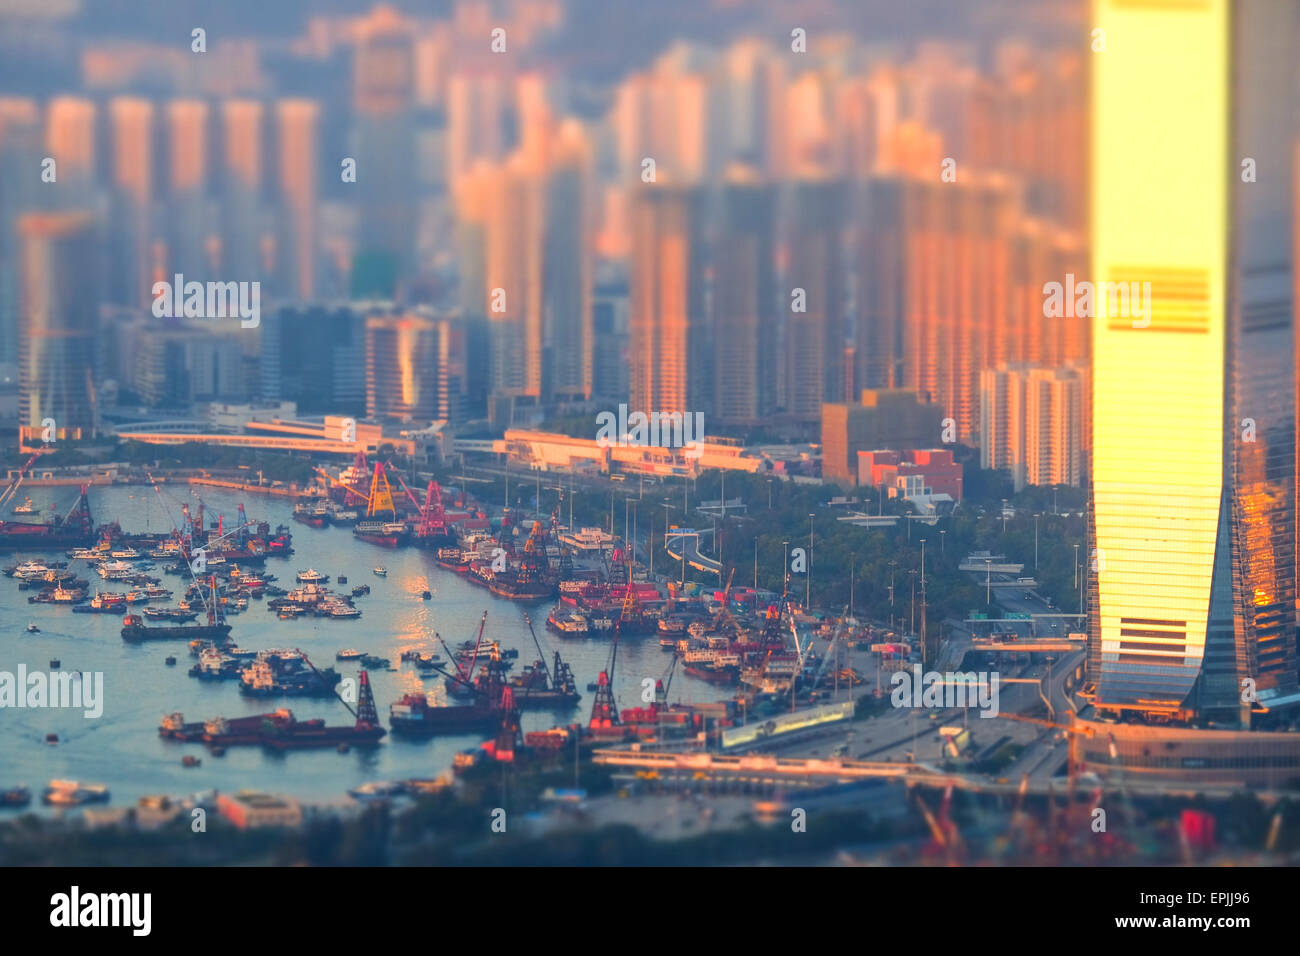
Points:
892	565
942	539
923	562
911	629
1004	515
785	574
769	494
1036	541
852	569
988	581
807	601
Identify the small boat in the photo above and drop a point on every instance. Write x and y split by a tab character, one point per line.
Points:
382	572
189	760
70	793
55	663
15	797
51	738
33	629
343	579
218	751
350	654
360	589
312	576
170	661
426	596
25	508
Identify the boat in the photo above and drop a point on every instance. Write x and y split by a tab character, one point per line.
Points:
360	589
134	629
389	534
567	624
343	610
414	716
350	654
33	629
312	516
287	673
70	793
170	661
312	576
538	687
26	508
15	797
382	572
426	596
378	790
169	614
189	760
76	529
280	730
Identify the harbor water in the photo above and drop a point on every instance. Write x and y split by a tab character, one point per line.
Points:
122	748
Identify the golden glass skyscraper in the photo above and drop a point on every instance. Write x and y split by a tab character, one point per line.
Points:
1193	395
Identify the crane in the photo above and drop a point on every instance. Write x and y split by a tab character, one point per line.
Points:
22	474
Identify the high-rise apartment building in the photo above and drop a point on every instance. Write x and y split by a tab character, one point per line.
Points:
667	322
59	317
1031	423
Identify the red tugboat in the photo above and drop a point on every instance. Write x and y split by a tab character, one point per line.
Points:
280	730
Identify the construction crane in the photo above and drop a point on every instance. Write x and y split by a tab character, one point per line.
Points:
9	492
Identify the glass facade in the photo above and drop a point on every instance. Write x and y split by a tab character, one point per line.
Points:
1194	408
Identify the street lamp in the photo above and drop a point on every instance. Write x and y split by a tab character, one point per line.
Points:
807	601
988	581
1036	516
769	494
911	573
942	539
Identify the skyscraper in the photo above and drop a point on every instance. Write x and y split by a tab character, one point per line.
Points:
383	92
934	286
667	328
415	367
297	178
1194	402
59	308
744	322
815	336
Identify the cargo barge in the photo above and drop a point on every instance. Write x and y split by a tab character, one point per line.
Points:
280	730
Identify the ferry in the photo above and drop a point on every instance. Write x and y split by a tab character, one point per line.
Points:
312	576
382	572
